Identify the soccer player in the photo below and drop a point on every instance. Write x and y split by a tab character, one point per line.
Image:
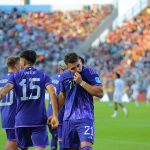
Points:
148	93
31	119
57	133
9	104
118	94
78	85
135	92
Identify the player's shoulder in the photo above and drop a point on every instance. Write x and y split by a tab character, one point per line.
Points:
89	70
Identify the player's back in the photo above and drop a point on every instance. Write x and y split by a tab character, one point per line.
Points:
30	85
8	105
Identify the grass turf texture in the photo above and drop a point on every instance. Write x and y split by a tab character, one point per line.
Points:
121	133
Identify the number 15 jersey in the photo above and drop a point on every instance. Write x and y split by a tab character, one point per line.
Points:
29	85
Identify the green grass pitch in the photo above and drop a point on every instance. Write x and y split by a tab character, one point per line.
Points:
121	133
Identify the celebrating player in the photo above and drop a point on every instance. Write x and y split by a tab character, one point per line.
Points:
78	85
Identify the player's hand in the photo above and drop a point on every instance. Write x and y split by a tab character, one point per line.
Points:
77	78
54	122
49	120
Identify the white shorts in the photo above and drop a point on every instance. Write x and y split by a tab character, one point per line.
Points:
117	97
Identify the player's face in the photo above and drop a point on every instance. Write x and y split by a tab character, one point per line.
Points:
18	66
75	67
22	63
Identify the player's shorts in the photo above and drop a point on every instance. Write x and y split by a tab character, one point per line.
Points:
117	97
10	133
60	119
32	137
59	132
76	131
53	131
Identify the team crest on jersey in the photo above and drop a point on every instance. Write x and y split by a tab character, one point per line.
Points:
97	80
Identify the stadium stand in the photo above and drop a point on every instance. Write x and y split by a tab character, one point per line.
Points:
127	50
50	34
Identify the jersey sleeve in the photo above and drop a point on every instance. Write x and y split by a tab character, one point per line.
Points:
11	79
93	77
48	80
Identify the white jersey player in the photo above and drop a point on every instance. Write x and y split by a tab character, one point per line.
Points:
118	94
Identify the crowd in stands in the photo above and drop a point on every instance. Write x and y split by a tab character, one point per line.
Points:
126	50
50	34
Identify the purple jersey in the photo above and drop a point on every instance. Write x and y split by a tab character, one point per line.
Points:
79	103
29	85
55	82
8	105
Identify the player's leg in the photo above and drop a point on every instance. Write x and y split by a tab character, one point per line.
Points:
86	146
23	138
116	99
134	98
70	138
124	109
115	109
11	140
11	145
53	143
40	137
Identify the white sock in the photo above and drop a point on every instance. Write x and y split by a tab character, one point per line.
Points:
114	113
125	111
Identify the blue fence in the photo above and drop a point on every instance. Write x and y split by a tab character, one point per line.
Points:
45	8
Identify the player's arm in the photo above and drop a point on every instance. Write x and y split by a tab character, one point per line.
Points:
61	100
53	120
51	91
5	90
94	90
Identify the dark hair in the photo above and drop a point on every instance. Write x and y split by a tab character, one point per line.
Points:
82	60
71	57
12	61
118	75
29	55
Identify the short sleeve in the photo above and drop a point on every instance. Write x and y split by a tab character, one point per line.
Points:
48	80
